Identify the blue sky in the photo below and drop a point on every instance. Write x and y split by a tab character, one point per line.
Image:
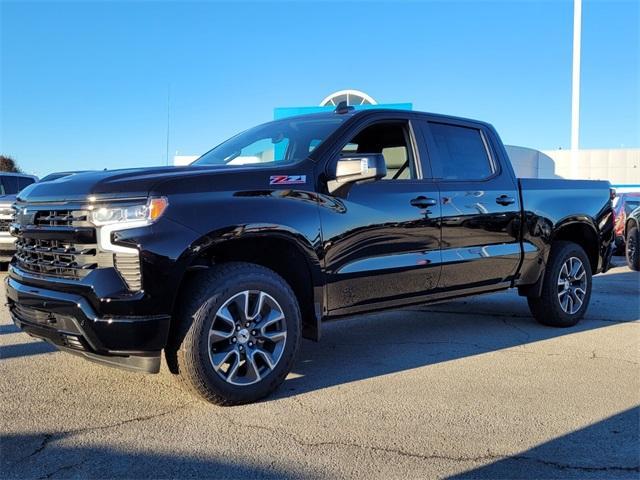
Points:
84	84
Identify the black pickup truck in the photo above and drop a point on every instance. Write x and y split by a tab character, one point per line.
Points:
227	263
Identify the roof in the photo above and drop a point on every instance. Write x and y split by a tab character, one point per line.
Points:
370	111
18	174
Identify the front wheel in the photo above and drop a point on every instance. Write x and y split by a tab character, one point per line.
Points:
238	333
566	288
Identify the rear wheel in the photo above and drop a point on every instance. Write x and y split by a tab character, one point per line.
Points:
239	331
566	288
632	248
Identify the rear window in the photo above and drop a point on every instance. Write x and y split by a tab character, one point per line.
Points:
462	153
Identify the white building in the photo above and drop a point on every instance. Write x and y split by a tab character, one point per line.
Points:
620	166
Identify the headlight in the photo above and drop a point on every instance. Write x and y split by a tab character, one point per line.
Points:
148	212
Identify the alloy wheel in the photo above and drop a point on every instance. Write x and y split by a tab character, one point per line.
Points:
247	337
572	285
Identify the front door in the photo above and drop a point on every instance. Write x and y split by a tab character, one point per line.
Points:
480	207
382	238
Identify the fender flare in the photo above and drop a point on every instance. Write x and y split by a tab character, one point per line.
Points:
209	242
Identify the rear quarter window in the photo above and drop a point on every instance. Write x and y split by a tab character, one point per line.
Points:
462	153
24	182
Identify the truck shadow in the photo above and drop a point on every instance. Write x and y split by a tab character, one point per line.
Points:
606	449
45	455
368	346
7	329
25	349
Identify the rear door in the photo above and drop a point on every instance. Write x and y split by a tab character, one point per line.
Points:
480	206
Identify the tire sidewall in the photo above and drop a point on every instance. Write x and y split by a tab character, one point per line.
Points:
633	262
567	251
196	341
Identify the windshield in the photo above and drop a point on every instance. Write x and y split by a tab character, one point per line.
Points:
280	142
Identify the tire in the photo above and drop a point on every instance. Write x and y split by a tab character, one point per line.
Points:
257	358
633	248
553	307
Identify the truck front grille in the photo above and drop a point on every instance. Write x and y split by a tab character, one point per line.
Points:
4	224
56	257
58	242
58	218
62	242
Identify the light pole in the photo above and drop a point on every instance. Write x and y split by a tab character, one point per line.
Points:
575	87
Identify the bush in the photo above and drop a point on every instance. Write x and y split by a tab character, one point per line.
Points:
8	164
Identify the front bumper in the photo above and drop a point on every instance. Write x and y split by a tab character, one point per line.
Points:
69	321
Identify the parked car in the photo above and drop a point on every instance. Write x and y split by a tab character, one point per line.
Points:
632	235
225	264
10	185
623	205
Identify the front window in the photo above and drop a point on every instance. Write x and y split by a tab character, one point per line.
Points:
280	142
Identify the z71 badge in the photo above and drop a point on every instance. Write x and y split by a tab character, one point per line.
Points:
287	179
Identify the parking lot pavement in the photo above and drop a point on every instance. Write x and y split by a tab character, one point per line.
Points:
469	389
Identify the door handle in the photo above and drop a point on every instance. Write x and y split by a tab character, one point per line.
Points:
423	202
505	200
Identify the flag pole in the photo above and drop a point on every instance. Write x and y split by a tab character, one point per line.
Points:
575	88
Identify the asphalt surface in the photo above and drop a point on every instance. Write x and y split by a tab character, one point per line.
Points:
469	389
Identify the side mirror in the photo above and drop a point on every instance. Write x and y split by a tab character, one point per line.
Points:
357	167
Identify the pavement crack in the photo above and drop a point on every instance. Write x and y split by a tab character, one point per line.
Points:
50	437
396	451
425	456
142	418
45	441
304	405
527	335
582	468
523	351
60	469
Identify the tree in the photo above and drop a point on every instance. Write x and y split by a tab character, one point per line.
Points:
8	164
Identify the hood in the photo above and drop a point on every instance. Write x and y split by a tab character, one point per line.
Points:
129	183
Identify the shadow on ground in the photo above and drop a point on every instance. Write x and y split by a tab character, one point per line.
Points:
606	449
372	345
368	346
26	349
43	456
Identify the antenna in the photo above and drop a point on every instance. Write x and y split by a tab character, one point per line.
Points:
343	108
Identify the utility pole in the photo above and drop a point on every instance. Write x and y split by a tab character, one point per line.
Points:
575	87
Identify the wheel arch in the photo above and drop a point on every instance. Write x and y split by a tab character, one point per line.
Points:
578	229
285	252
582	231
